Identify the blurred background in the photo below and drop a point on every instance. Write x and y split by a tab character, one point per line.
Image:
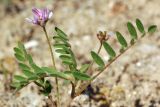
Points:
132	81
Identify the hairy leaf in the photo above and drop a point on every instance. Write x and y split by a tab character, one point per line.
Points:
132	30
28	73
109	50
16	84
57	38
97	59
84	68
24	66
65	57
54	73
140	26
152	28
73	58
67	62
19	57
30	60
37	70
80	75
61	51
121	39
22	48
60	33
18	51
20	78
61	45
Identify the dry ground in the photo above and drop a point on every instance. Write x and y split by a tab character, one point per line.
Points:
132	81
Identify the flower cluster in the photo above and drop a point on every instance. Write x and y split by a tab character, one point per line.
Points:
41	16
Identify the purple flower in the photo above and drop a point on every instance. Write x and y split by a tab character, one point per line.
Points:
41	16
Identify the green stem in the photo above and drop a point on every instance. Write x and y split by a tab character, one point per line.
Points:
89	72
53	61
107	65
90	67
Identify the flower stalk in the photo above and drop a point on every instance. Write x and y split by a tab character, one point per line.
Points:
53	61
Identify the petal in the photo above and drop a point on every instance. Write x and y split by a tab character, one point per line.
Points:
31	44
29	20
46	13
37	12
50	15
35	21
43	15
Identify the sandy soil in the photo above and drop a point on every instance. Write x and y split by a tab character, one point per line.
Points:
132	81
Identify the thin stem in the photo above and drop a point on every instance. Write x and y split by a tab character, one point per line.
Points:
50	46
52	102
72	95
73	90
99	49
89	72
107	65
49	97
53	61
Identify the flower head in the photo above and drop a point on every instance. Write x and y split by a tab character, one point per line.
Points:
41	16
104	36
